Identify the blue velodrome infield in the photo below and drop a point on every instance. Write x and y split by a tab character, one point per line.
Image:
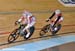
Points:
43	44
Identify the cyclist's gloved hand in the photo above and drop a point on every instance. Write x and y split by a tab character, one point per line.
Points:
47	20
17	22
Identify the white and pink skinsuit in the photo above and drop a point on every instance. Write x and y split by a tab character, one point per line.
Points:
27	18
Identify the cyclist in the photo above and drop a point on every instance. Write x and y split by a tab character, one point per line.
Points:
28	19
58	18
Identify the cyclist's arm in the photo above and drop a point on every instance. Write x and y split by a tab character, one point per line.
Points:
52	16
21	19
18	21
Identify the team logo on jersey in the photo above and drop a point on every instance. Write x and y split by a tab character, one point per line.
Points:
68	3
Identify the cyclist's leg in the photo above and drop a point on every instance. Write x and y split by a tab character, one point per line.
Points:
28	27
59	22
51	25
54	23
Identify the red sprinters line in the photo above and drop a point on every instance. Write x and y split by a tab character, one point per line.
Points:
37	29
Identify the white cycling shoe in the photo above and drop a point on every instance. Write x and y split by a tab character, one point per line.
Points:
27	35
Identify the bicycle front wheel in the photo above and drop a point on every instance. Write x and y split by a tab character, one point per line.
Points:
44	30
13	36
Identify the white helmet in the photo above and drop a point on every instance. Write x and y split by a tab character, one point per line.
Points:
57	11
26	13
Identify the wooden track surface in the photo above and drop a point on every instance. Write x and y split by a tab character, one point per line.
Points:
7	20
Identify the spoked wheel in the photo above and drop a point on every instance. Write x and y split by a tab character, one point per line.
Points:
13	36
31	33
44	30
57	27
